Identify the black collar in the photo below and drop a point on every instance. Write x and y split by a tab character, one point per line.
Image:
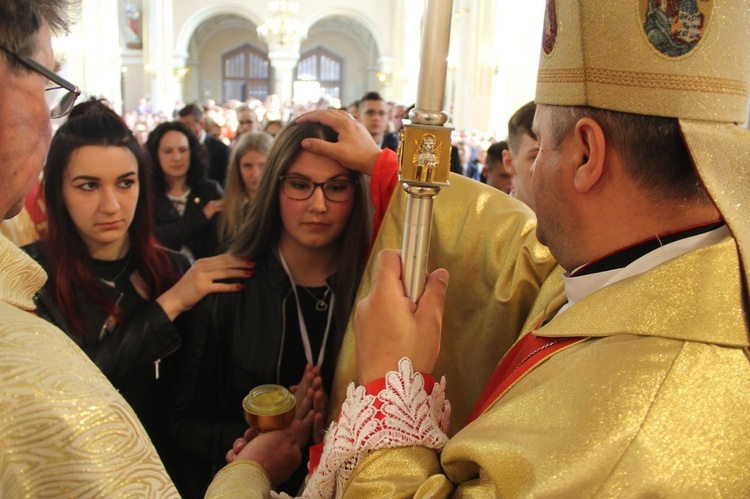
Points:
626	256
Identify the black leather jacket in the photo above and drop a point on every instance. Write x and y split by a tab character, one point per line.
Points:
234	344
143	344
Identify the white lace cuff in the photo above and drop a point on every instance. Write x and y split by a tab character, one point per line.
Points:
401	415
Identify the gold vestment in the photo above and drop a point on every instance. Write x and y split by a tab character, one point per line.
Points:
64	430
487	241
656	403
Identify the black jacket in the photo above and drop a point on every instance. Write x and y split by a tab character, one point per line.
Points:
234	344
192	229
146	340
390	141
218	155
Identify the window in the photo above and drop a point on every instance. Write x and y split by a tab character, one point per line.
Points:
324	67
246	74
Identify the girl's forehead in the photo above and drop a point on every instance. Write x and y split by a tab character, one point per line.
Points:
316	167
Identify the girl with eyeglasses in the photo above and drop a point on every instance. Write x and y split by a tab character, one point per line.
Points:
309	231
111	288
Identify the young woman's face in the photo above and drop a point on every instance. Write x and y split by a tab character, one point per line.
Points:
252	164
100	192
315	222
174	155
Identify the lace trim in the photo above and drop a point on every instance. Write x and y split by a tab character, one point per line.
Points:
407	416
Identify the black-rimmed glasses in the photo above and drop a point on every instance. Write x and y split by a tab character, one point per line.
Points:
300	188
59	93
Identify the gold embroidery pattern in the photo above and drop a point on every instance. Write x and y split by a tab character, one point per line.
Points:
644	80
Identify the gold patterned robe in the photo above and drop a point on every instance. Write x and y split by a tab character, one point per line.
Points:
64	430
656	403
487	241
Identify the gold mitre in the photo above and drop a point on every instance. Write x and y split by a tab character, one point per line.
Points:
686	59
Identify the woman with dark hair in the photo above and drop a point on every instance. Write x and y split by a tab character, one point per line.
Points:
185	199
309	230
111	288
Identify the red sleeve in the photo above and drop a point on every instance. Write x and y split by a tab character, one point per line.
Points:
378	385
384	179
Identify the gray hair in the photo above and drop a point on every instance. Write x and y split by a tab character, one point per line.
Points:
20	21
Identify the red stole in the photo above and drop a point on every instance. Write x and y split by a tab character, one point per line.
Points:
527	353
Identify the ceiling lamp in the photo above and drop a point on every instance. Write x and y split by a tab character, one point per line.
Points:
282	27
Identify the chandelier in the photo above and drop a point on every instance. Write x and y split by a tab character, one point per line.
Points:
282	27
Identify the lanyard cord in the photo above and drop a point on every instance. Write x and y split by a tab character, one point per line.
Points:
301	319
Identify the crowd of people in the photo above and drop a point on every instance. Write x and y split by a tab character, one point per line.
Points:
604	289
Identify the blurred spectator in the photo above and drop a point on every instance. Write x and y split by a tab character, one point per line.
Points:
496	174
218	153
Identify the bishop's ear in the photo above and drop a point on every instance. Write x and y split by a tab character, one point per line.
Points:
590	149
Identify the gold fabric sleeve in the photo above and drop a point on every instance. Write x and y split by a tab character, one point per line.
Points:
655	404
402	472
241	479
65	431
486	240
20	229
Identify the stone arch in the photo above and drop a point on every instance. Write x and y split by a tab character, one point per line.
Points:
357	18
205	30
186	31
362	50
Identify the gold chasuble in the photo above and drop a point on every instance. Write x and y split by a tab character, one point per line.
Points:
665	374
64	430
486	240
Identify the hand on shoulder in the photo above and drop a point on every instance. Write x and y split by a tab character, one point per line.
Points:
203	278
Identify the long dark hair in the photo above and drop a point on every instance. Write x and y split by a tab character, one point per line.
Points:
261	232
92	123
198	168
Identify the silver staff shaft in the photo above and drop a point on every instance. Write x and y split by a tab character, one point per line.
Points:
416	243
425	146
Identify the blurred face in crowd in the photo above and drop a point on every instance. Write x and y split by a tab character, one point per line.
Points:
354	111
518	163
374	115
464	152
497	176
195	125
213	130
100	191
174	156
25	130
245	122
252	164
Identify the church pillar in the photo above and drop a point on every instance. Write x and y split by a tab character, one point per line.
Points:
159	79
102	61
283	59
472	63
384	77
407	38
